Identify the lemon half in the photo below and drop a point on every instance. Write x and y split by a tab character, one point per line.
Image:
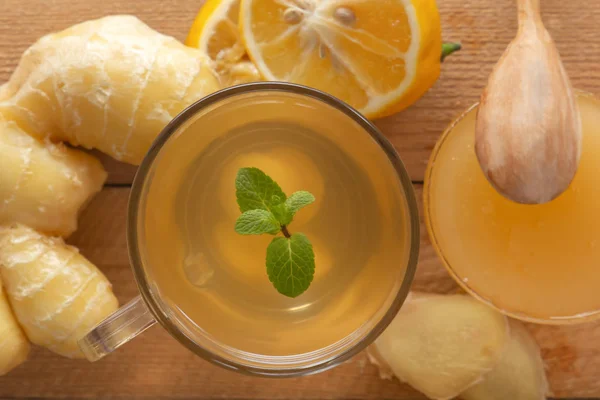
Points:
379	56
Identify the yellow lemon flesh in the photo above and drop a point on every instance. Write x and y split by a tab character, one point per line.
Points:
378	56
215	31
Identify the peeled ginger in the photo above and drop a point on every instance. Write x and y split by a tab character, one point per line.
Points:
43	185
518	376
56	294
111	84
14	347
453	345
443	344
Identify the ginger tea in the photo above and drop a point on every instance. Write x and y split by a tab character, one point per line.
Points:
216	280
537	262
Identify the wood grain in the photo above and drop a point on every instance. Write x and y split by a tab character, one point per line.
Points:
156	366
483	26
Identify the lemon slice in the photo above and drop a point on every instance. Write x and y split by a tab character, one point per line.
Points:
377	55
215	31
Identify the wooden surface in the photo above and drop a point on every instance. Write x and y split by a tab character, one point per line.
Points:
154	365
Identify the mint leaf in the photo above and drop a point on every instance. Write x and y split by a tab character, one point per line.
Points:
257	191
282	213
257	222
299	200
266	209
291	264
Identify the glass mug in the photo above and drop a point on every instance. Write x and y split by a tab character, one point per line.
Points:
218	319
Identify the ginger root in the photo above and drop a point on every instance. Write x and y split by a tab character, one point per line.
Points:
111	84
14	347
443	344
56	294
453	345
43	185
518	376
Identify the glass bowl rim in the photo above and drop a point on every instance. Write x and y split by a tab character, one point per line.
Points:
566	320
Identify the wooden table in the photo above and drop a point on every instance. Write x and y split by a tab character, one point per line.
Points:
154	365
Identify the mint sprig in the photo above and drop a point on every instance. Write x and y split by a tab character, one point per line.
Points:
266	209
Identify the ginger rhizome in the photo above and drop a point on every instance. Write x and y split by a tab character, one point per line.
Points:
14	346
44	185
519	375
56	294
453	345
111	84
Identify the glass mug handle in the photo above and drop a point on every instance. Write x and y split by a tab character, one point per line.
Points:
116	330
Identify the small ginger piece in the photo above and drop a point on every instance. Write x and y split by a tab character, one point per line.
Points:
44	185
14	347
57	295
442	344
519	375
111	84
